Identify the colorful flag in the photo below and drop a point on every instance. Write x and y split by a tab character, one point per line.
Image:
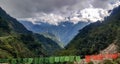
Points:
51	59
87	58
41	60
57	59
62	59
77	58
100	57
25	60
114	56
67	58
30	60
46	60
72	58
35	60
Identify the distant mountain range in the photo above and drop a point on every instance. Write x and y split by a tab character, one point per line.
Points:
64	28
67	27
64	32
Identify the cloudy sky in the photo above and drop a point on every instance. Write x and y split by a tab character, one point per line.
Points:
31	8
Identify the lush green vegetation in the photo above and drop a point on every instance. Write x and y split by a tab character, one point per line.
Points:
13	44
96	36
17	41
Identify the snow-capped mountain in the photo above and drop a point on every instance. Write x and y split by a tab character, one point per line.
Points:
65	27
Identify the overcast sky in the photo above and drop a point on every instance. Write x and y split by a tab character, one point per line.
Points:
29	8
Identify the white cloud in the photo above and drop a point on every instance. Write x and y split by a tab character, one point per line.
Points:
29	8
87	14
90	14
94	14
56	11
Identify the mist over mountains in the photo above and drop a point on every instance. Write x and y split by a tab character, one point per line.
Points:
65	28
64	32
60	18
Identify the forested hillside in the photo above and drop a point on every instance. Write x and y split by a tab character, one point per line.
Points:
96	36
17	41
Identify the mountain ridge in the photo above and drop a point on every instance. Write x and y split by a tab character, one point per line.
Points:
63	30
96	36
73	20
20	37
